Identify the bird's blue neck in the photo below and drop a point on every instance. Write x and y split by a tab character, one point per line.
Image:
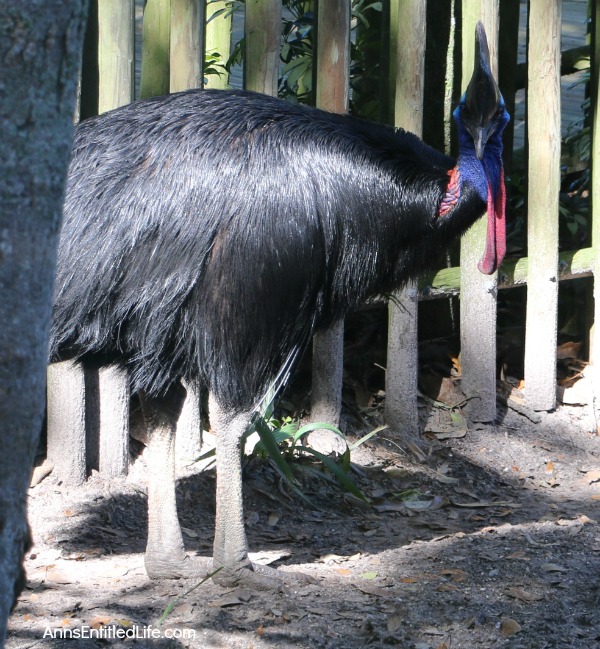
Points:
471	168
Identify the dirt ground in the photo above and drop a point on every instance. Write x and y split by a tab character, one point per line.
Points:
487	537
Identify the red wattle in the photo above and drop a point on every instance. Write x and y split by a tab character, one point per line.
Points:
495	243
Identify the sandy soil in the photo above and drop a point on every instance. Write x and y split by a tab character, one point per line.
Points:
484	538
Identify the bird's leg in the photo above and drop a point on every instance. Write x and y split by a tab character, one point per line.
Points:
231	546
165	554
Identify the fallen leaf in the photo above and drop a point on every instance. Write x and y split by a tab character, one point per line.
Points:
370	575
590	477
343	571
549	467
190	533
394	621
57	577
509	627
524	596
99	621
552	567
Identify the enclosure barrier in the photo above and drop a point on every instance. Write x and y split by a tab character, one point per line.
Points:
88	410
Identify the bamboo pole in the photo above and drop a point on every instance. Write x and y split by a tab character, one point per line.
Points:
186	44
217	41
407	71
478	291
155	48
263	36
332	85
544	183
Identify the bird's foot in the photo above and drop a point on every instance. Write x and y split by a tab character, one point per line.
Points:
183	567
259	577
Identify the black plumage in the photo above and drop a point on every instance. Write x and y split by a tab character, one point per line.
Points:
207	234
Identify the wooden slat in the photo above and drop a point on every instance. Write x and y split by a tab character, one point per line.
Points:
478	291
263	37
217	36
186	44
544	183
155	48
332	74
407	72
110	406
571	265
66	419
116	53
595	181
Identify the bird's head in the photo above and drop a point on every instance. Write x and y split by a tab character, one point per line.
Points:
481	117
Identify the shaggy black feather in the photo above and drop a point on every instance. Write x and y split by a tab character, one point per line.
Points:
208	234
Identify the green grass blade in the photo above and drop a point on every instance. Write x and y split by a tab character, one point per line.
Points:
270	444
344	479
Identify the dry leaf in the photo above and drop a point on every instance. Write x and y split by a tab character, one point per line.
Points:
57	577
549	467
99	621
552	567
590	477
524	596
394	621
370	575
343	571
509	627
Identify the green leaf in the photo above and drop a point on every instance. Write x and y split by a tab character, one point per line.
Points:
270	444
368	436
344	479
308	428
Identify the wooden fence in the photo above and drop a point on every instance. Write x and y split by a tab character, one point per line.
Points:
176	33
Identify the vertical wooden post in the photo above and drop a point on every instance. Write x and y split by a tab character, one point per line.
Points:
407	71
186	44
263	37
116	53
543	99
332	75
155	48
66	421
116	60
217	41
188	440
595	182
478	292
96	433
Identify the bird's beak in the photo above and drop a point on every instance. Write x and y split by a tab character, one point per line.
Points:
482	97
479	141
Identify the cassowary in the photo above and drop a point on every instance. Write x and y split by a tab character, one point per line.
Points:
208	234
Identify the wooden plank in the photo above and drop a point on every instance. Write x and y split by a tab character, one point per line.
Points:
544	183
407	72
188	440
595	181
66	421
572	264
80	423
332	86
263	37
478	291
186	44
155	48
116	53
217	37
109	406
